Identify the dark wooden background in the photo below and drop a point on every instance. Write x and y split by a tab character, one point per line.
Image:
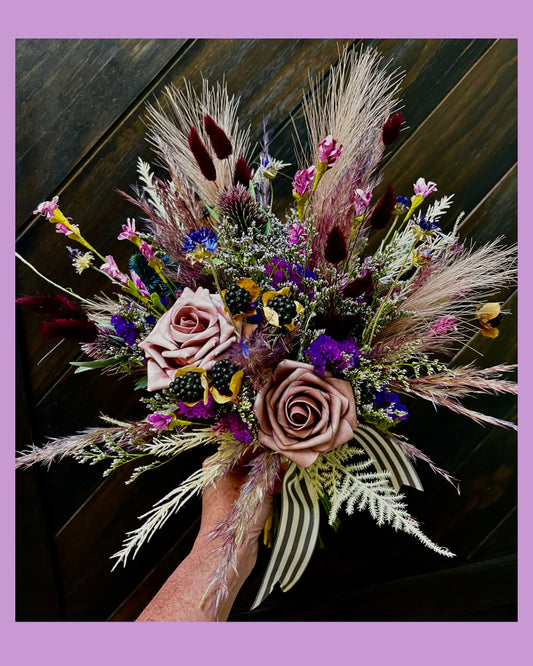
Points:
80	109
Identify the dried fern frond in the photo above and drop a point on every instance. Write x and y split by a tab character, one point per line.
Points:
214	468
350	485
171	122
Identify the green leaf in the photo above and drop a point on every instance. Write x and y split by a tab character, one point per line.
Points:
156	302
141	384
82	366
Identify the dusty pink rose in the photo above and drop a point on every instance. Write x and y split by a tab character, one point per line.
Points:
302	414
195	331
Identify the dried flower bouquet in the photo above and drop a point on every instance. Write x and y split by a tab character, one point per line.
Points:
283	341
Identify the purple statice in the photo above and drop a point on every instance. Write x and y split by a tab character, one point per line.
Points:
339	356
124	329
390	403
198	411
150	320
205	239
236	426
280	271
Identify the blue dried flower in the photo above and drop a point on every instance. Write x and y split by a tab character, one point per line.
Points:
427	225
390	402
200	244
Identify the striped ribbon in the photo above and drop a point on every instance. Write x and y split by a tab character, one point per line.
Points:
297	534
298	528
387	457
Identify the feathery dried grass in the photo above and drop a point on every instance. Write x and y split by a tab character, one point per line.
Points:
59	448
454	289
262	475
170	125
215	467
447	390
352	105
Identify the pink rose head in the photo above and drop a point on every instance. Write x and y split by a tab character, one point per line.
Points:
303	181
424	189
195	331
302	414
47	208
329	150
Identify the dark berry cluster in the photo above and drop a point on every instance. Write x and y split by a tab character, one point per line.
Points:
221	374
188	387
238	300
285	308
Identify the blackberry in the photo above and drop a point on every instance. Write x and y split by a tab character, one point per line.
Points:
284	307
221	374
238	300
188	387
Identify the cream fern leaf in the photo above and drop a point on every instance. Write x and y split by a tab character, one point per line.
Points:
351	484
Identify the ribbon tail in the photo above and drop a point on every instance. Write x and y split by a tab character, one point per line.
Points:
387	457
297	534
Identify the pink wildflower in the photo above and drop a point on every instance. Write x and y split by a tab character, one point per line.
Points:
303	181
297	234
62	229
329	150
361	201
128	230
139	284
423	189
47	208
146	251
442	326
110	268
159	421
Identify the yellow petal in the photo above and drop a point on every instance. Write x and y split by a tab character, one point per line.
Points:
487	312
271	316
219	397
251	287
490	332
